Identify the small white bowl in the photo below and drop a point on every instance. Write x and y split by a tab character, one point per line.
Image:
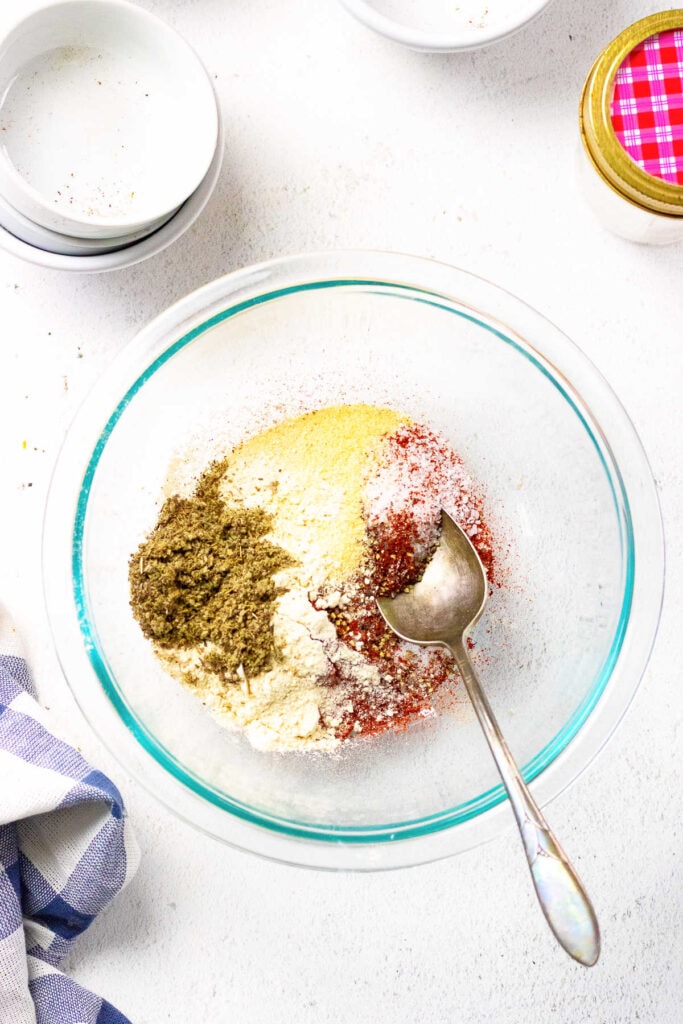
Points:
127	255
108	119
442	26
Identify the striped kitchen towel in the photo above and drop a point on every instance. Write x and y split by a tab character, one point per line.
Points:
65	850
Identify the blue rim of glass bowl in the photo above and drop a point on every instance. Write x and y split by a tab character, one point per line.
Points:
327	832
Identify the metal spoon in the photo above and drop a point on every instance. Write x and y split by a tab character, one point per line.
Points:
441	609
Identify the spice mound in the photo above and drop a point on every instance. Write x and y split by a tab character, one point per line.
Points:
258	591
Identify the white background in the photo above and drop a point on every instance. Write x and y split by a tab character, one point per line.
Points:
337	138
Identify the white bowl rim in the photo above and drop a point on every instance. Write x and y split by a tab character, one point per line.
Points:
18	224
435	42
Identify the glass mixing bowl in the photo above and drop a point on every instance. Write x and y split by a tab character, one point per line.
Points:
570	499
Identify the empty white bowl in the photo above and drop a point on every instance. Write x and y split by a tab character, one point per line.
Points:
441	25
108	119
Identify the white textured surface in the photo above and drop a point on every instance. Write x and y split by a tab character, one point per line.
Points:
338	138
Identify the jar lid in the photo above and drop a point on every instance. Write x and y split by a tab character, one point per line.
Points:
631	113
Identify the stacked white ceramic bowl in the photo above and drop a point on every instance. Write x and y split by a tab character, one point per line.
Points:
110	136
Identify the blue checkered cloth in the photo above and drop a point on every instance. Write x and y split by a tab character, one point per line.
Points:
65	850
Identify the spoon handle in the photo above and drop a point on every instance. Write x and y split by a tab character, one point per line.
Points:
567	908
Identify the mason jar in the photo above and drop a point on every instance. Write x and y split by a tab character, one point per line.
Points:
630	162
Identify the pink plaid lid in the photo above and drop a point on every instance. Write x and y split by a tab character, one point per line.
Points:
647	105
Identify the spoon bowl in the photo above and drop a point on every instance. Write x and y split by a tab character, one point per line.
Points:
450	597
441	609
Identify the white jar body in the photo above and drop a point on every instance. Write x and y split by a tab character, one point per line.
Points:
618	214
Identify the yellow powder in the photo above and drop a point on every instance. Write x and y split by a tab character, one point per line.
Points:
309	473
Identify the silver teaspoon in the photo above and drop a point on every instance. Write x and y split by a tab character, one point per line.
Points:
441	609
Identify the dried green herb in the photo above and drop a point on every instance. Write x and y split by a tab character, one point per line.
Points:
205	576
